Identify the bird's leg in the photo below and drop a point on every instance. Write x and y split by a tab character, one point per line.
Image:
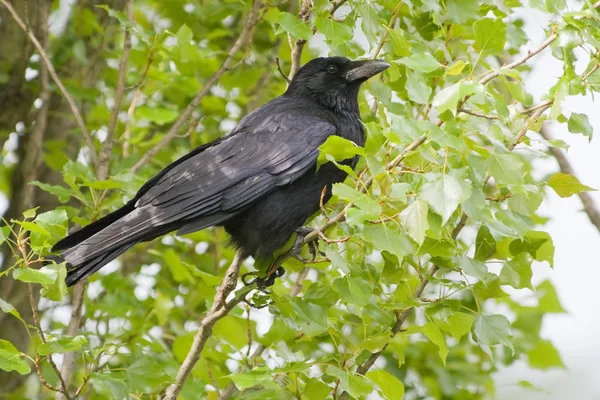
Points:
313	247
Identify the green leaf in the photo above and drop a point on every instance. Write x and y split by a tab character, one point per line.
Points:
311	318
55	223
356	385
57	290
445	194
517	272
9	309
433	333
537	243
44	275
506	168
461	11
400	44
11	359
62	345
335	32
544	356
361	200
418	90
448	98
181	272
493	329
294	26
485	244
158	115
389	386
63	194
490	35
421	62
580	123
338	149
456	68
246	380
548	301
385	238
145	372
353	290
315	390
566	185
370	22
472	267
459	324
187	50
414	220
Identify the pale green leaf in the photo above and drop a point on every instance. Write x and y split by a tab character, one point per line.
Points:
566	185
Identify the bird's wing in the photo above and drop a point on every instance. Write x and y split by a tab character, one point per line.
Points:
238	170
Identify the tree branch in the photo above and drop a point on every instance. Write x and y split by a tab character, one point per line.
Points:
589	205
219	309
244	37
231	389
519	61
303	14
103	168
76	113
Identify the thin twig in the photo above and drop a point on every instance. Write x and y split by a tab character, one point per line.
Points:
519	61
287	79
36	322
244	37
589	205
476	114
389	27
103	167
76	113
219	309
299	43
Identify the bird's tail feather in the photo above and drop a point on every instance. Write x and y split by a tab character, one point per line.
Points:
77	273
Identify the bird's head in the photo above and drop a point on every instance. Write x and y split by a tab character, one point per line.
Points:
334	81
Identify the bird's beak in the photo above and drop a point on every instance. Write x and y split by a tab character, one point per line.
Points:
364	70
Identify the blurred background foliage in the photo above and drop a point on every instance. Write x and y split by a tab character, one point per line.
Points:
427	290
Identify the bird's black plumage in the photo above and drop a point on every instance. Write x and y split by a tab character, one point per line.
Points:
260	182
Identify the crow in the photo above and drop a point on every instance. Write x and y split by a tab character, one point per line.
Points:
260	182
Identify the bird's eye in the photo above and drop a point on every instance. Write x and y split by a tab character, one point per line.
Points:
332	69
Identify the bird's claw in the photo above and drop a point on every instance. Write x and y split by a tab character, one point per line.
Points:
313	247
263	283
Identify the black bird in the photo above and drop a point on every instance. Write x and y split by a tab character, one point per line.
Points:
259	182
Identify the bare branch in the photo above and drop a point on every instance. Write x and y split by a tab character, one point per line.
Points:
303	14
244	37
76	113
589	205
287	79
219	309
103	167
476	114
519	61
